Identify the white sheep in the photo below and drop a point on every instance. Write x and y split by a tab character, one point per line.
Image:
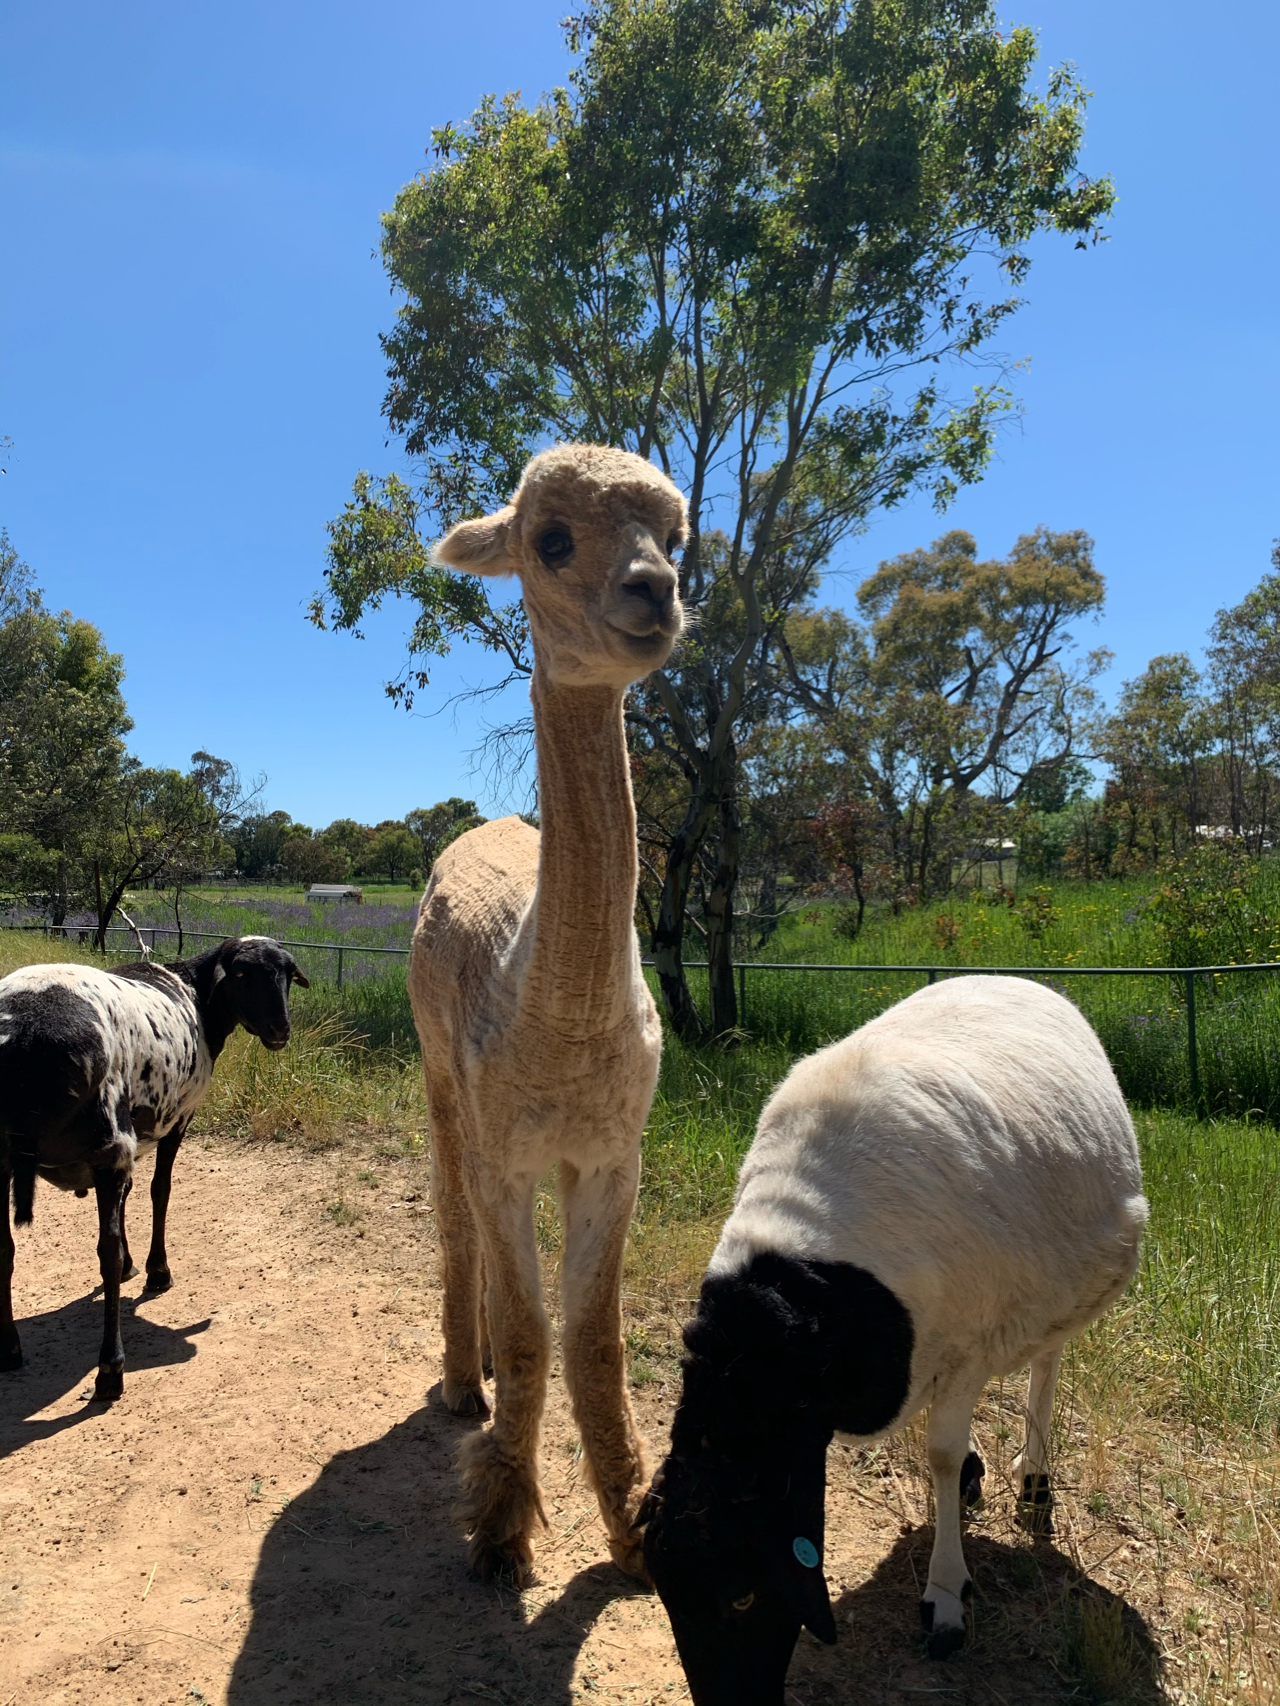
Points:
97	1066
946	1195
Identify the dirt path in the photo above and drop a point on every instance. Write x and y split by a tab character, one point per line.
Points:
264	1520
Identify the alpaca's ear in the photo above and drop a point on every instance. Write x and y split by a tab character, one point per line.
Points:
483	547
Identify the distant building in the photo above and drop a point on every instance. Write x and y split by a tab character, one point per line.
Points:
335	891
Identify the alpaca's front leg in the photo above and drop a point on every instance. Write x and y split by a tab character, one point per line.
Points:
597	1212
501	1502
463	1385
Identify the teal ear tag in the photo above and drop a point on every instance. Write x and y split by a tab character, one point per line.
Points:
806	1552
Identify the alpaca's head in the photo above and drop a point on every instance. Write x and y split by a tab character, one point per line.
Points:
591	533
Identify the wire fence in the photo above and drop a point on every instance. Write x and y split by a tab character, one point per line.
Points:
342	963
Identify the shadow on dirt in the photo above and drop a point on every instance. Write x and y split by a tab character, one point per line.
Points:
60	1348
1041	1635
362	1593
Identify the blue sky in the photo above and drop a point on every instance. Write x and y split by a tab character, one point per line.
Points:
191	373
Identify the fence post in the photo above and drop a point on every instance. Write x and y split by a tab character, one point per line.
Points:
339	968
742	994
1193	1054
933	974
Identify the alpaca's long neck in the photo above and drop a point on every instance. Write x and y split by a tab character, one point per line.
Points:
584	934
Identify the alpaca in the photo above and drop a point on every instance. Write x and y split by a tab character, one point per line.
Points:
540	1040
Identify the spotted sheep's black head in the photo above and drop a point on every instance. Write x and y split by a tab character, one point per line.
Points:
252	977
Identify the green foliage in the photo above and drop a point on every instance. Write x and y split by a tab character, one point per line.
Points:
62	728
436	826
1217	906
715	248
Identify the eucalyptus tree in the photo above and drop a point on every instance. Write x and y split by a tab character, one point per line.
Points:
749	241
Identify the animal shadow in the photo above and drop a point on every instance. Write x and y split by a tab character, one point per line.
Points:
1041	1634
61	1347
362	1593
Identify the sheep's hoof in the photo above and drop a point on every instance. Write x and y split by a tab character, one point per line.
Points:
506	1562
1035	1505
942	1617
971	1472
158	1279
109	1384
465	1400
10	1357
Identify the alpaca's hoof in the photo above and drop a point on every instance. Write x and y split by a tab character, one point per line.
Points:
942	1617
129	1271
109	1384
971	1472
508	1562
465	1400
628	1555
158	1279
1035	1505
10	1357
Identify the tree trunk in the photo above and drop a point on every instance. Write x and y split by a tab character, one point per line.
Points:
767	904
61	900
724	995
100	935
668	938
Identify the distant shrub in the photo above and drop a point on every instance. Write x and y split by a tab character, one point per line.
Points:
1218	906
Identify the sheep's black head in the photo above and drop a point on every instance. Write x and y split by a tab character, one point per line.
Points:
733	1541
251	977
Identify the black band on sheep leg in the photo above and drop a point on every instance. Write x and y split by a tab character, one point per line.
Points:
109	1186
1035	1505
971	1472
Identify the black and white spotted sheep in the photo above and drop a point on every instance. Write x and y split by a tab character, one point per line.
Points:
946	1195
97	1067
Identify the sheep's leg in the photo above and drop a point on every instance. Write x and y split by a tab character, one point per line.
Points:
597	1212
1031	1466
501	1501
10	1348
158	1275
109	1186
127	1269
460	1252
942	1610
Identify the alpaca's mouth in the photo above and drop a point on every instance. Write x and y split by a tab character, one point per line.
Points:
660	628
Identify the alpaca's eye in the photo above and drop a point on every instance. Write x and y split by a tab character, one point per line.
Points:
745	1603
673	544
555	545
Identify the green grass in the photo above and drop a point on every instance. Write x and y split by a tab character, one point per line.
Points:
1198	1337
1200	1333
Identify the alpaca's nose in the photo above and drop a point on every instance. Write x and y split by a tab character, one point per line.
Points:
652	585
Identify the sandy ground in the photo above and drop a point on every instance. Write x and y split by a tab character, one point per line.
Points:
264	1519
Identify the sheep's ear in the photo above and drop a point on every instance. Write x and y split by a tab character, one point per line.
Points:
804	1587
219	972
295	975
483	547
